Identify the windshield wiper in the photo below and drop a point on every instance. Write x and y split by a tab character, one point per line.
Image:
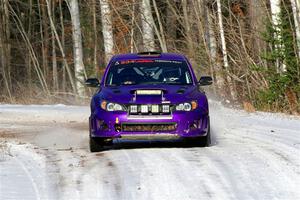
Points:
126	84
174	83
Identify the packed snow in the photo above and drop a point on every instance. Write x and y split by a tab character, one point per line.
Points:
44	155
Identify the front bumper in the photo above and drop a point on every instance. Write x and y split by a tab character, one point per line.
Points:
176	125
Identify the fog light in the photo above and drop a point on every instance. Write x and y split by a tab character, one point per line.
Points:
118	127
166	108
154	109
133	109
101	125
144	108
195	125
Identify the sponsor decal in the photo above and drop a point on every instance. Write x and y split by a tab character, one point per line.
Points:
126	62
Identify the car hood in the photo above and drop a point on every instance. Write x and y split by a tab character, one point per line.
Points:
170	94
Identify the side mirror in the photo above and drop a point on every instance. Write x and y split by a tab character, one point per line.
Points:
205	80
92	82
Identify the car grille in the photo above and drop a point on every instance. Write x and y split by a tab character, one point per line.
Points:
149	127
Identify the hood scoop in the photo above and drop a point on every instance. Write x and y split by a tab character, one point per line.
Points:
147	92
148	95
181	90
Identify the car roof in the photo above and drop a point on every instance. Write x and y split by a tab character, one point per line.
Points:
163	56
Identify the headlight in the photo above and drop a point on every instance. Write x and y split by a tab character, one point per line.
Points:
108	106
180	107
187	106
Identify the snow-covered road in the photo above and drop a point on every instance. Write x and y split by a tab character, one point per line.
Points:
44	155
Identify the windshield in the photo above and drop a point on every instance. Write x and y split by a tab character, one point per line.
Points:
142	72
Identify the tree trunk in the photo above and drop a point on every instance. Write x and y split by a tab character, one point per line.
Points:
171	23
61	16
132	29
80	73
160	33
5	47
54	60
45	38
295	7
224	51
28	60
212	46
148	36
187	28
95	38
275	12
107	30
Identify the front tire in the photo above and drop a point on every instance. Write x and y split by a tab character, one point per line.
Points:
206	140
96	144
202	141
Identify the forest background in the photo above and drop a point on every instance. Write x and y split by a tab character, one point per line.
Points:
250	47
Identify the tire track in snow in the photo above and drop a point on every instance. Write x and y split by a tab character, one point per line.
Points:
255	158
206	179
288	152
263	163
30	178
23	172
99	177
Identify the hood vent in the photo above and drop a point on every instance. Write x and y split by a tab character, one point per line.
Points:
181	90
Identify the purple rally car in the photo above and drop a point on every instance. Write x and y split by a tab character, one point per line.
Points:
149	95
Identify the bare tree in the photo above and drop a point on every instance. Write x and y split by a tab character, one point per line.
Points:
44	35
4	46
61	19
275	12
61	48
95	36
147	22
77	42
224	51
296	15
210	37
32	53
107	30
54	59
187	27
159	32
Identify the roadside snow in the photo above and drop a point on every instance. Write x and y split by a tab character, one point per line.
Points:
43	113
44	155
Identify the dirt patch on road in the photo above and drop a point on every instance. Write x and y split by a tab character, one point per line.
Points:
7	135
77	125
